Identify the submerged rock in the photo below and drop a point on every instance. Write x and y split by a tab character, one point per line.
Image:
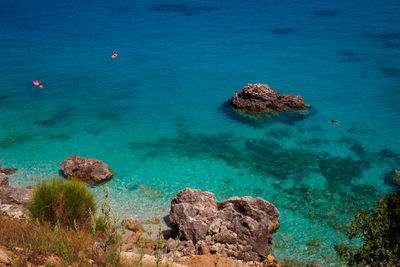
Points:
237	227
262	98
86	169
150	192
395	177
7	170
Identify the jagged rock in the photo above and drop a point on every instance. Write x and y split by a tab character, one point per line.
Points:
14	199
86	169
262	98
16	195
238	227
3	179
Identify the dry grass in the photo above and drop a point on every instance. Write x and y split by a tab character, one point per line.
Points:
34	243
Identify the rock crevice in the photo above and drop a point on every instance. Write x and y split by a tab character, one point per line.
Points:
237	227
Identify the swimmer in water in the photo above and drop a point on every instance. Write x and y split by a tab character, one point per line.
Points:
114	55
236	97
38	83
334	122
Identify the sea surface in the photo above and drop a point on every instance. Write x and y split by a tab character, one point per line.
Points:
157	115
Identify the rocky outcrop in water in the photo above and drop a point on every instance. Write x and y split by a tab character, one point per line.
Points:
237	227
262	98
86	169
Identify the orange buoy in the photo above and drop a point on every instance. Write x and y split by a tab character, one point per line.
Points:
114	55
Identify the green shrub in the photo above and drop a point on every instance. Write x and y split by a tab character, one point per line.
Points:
62	201
379	231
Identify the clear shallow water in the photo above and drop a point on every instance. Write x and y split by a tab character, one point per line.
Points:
155	114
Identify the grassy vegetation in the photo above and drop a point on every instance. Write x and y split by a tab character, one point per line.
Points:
63	230
61	201
33	242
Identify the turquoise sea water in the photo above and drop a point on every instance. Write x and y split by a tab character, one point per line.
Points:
156	113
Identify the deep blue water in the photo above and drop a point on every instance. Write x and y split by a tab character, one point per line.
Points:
155	114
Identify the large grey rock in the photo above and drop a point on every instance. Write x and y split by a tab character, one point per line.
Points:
16	195
237	227
86	169
13	200
262	98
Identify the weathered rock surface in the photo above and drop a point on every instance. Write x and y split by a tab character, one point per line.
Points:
237	227
86	169
16	195
3	179
14	199
262	98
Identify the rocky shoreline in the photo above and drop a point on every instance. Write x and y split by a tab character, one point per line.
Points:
236	231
